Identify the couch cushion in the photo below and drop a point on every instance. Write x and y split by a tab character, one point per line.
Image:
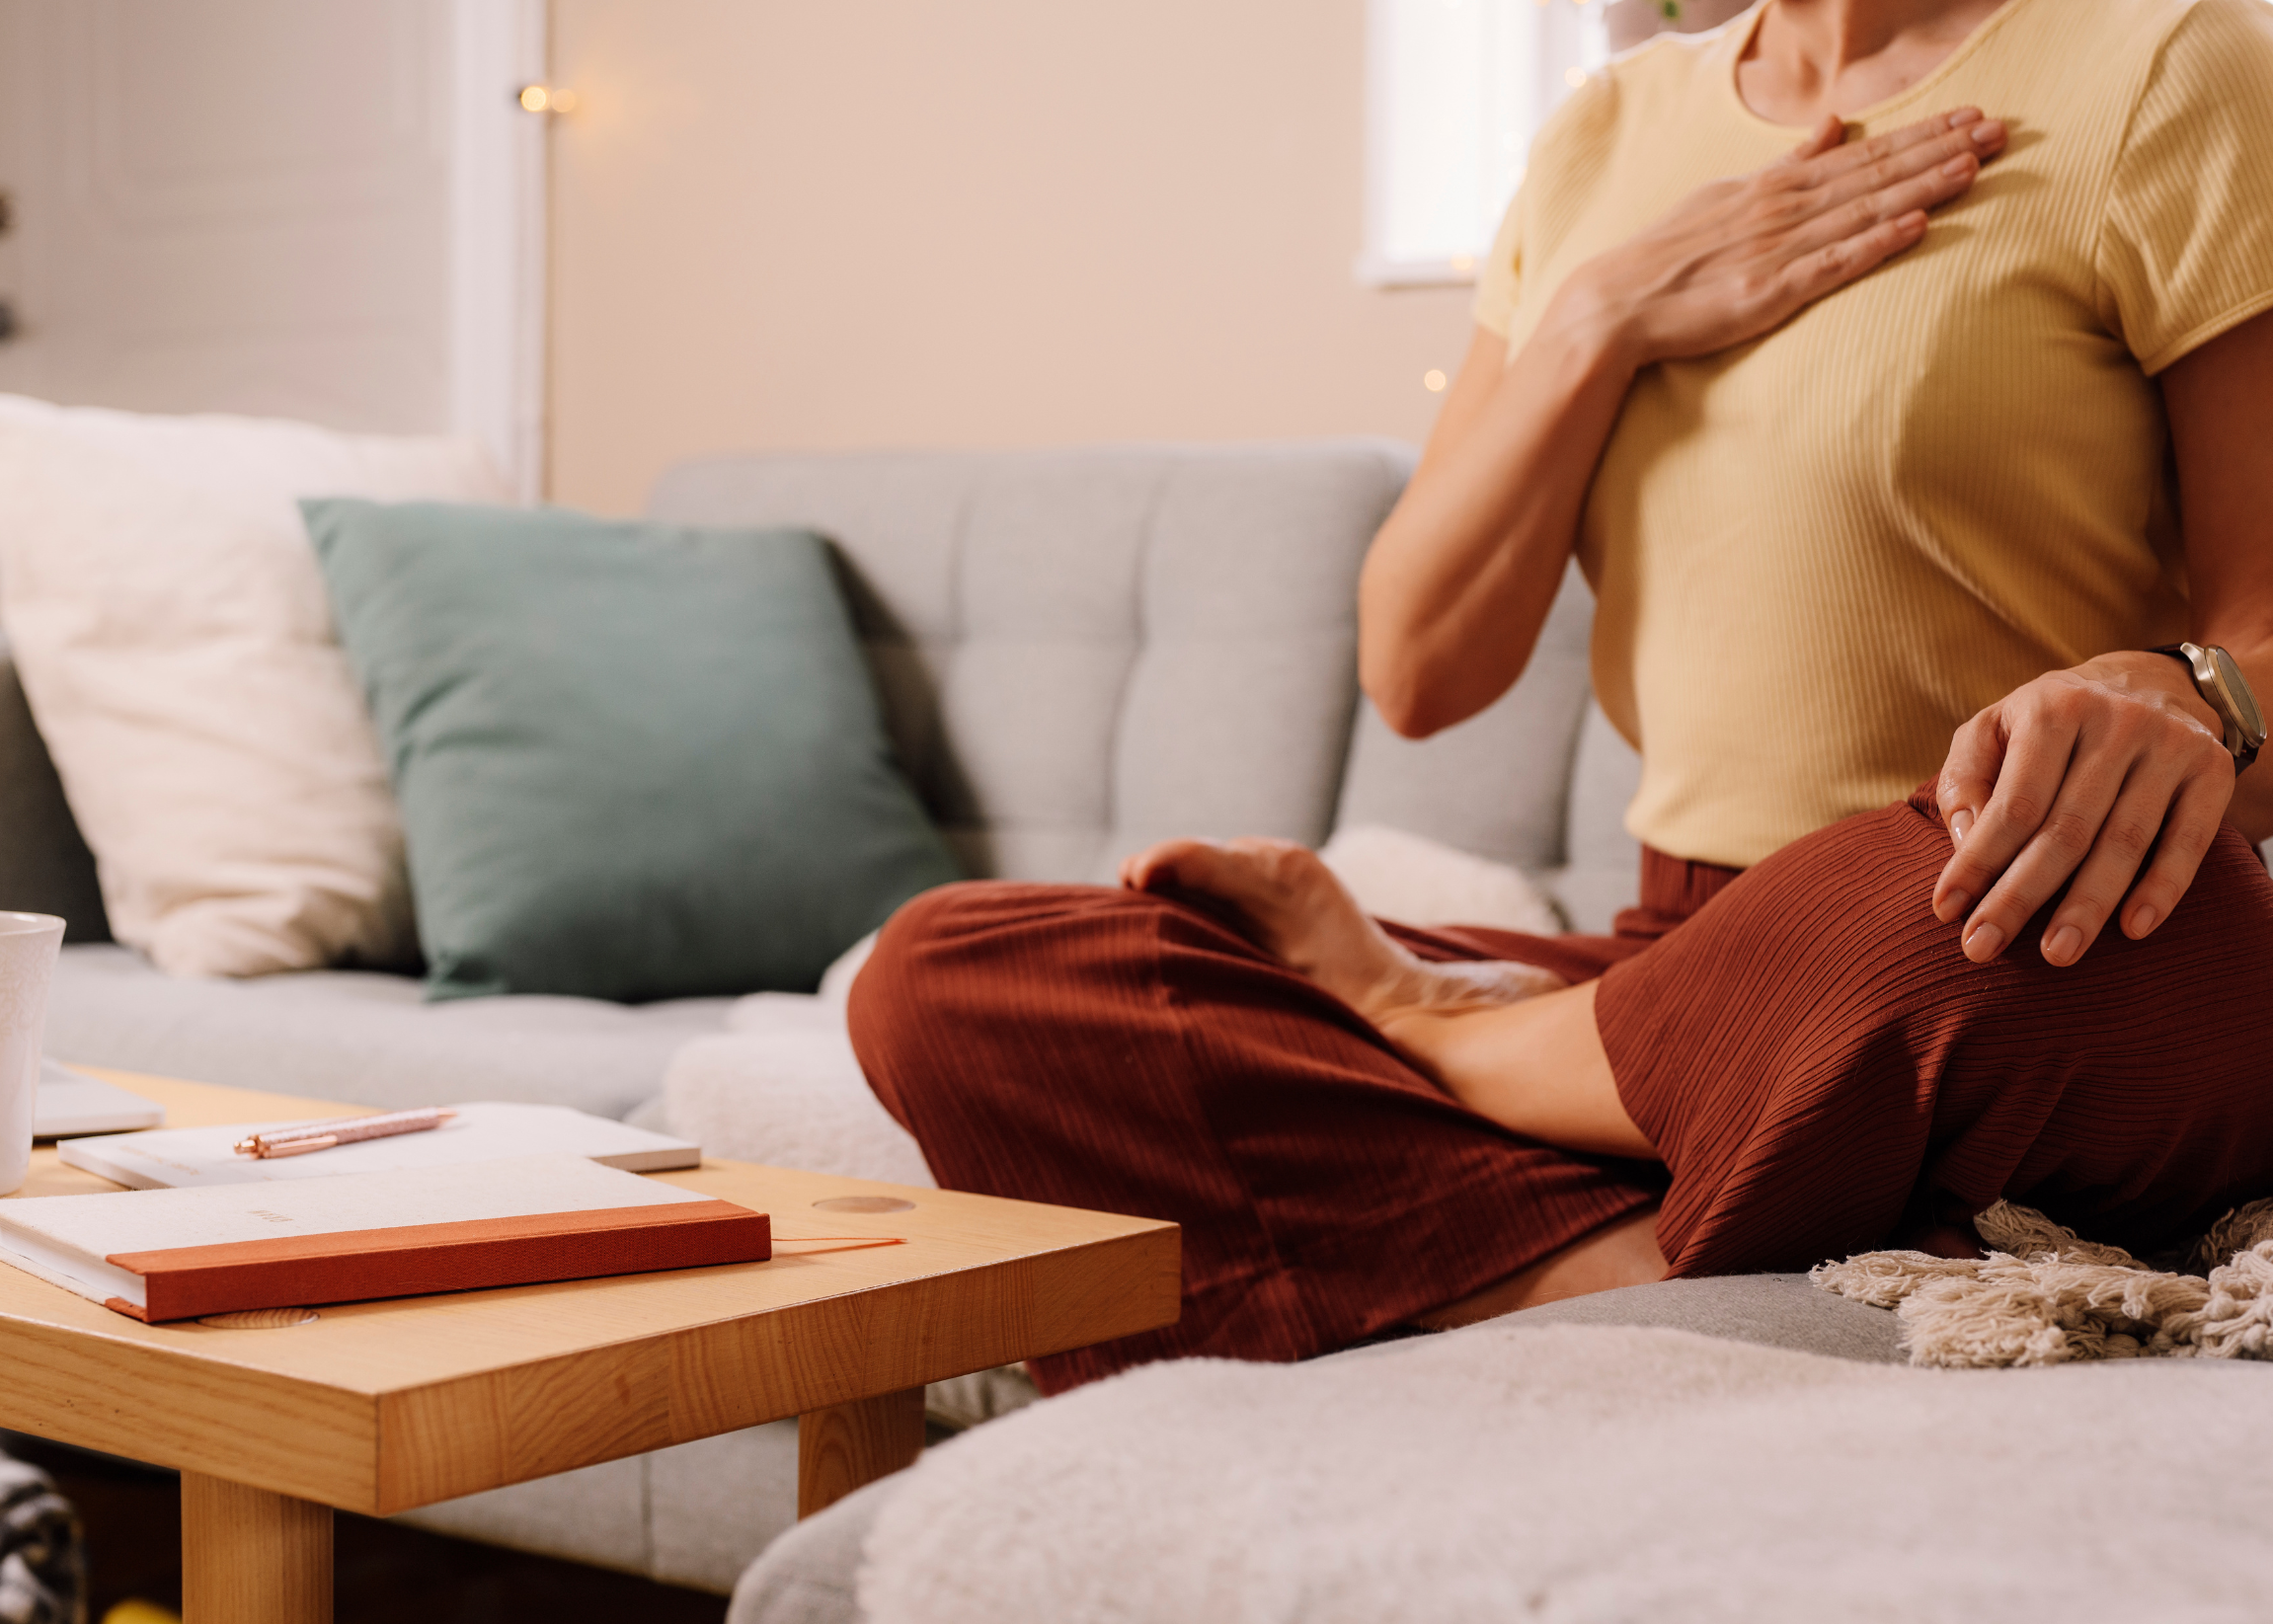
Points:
1773	1310
635	762
714	1504
1080	652
1395	873
1496	784
174	641
693	1515
597	1514
1595	1472
806	1576
782	1088
1538	780
365	1037
1602	867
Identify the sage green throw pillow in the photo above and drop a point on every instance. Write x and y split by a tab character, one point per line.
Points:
634	760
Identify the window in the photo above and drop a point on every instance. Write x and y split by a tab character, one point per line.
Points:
1455	90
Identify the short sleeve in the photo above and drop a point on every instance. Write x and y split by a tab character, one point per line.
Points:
1499	279
2186	245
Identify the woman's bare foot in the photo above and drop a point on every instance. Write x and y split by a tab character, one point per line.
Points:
1288	903
1512	1043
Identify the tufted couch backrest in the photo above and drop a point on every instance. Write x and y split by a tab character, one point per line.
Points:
1082	650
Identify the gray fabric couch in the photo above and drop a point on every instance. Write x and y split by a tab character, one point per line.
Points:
1077	651
810	1574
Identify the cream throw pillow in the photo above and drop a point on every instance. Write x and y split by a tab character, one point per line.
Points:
1416	880
175	643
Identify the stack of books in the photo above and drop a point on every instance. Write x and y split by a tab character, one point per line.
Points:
496	1194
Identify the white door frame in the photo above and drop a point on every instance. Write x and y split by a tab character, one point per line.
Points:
498	235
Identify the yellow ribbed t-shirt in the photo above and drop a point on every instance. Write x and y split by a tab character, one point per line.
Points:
1817	554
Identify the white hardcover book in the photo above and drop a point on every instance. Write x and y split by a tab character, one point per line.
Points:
484	1131
173	1254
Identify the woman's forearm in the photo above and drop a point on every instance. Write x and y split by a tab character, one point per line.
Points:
2220	399
1460	577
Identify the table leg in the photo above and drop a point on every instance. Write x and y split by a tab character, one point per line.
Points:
846	1445
251	1557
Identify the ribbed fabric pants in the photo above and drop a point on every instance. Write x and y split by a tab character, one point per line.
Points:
1820	1069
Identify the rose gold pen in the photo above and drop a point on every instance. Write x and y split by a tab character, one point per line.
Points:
299	1141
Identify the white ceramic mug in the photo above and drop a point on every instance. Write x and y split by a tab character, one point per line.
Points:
29	944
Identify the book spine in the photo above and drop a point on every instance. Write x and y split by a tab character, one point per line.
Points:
352	1268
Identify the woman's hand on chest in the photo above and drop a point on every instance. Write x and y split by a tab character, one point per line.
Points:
1460	579
1740	256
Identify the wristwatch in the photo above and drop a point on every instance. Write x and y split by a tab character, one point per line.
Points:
2222	687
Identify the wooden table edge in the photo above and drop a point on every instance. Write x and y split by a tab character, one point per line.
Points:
257	1544
352	1473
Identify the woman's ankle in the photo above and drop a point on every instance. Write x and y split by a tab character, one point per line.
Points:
1422	989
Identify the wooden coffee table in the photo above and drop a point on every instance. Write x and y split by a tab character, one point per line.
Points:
380	1407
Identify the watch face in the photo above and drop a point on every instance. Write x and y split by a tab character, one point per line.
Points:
2236	688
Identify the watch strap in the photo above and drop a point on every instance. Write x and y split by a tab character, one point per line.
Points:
2236	740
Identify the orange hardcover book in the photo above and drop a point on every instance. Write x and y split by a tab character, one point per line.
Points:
182	1254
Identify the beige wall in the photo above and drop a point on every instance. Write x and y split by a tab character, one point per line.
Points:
825	223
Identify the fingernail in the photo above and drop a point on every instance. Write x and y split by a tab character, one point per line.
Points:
1963	116
1986	942
2064	945
1987	135
1960	823
1958	167
2143	920
1956	904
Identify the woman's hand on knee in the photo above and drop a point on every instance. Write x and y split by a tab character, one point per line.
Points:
1740	256
2113	775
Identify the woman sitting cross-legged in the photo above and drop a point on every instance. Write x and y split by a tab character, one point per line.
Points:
1934	449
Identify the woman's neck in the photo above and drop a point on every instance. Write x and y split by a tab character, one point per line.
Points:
1810	57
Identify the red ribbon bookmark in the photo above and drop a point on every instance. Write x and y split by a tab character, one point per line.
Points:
844	1243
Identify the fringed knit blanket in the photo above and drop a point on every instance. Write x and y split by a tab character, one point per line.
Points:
2046	1296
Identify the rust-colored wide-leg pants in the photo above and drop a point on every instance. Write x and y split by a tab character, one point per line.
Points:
1820	1068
